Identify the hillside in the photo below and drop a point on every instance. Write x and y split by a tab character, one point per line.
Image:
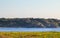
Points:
29	22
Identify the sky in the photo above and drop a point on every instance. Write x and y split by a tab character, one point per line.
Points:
30	8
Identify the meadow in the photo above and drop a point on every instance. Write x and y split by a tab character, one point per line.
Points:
29	34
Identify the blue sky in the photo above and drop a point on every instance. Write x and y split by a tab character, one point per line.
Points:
30	8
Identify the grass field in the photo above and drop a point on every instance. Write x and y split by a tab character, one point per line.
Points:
29	34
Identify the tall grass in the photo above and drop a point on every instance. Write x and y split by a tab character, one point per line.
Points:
29	34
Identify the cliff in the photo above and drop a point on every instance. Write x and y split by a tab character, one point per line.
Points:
29	22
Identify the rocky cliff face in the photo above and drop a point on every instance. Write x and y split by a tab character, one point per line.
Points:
30	23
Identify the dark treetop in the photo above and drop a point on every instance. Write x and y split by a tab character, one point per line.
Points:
29	22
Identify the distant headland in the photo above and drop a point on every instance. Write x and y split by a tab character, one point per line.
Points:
29	22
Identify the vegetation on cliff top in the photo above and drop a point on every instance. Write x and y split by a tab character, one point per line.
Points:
29	22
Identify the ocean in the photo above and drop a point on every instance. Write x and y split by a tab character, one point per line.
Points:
28	29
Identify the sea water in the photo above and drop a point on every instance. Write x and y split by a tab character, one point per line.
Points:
29	29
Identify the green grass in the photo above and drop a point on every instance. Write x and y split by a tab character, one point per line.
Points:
29	34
